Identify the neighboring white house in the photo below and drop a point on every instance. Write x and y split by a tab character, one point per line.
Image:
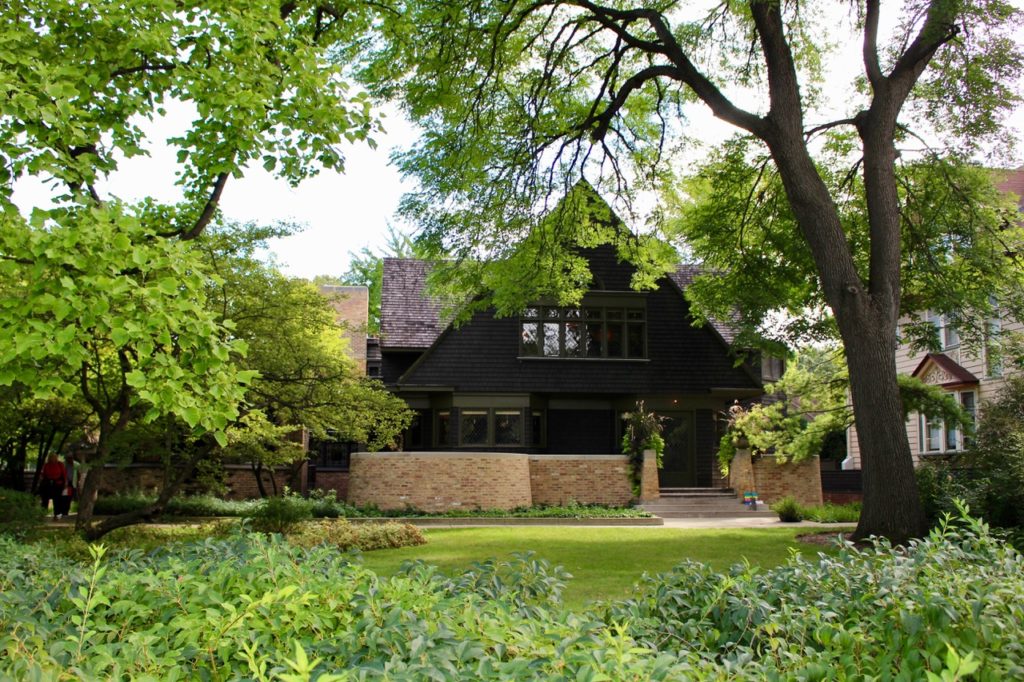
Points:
974	375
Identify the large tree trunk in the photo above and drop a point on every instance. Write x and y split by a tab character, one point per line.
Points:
892	506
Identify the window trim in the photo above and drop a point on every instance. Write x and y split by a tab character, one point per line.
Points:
540	315
961	443
491	415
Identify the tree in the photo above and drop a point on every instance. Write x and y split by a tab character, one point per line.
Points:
304	376
104	299
519	99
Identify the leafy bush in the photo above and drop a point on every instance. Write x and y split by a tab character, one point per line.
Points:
788	509
20	513
989	476
832	513
280	513
254	606
362	536
325	505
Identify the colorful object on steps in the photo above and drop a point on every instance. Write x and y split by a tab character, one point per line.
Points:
750	499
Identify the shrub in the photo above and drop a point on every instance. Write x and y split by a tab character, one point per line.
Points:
788	509
832	513
251	606
278	514
20	513
362	536
989	476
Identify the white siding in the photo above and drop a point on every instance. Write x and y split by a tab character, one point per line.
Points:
970	359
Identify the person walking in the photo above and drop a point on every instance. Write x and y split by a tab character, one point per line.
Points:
67	493
54	480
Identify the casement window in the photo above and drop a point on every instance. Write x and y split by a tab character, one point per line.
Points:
593	331
993	355
496	427
949	337
937	437
444	427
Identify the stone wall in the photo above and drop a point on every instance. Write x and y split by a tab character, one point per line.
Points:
437	481
587	479
774	480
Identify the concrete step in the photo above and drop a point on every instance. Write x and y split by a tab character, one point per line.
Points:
715	514
656	507
697	491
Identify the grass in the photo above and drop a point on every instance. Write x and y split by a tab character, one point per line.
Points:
605	562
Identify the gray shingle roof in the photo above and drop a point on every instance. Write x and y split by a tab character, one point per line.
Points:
410	319
683	277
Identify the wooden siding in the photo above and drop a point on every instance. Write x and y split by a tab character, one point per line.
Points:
584	432
971	359
482	355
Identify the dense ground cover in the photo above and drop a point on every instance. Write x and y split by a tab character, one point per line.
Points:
254	606
327	506
605	562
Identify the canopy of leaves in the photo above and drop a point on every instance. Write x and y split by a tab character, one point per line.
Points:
95	306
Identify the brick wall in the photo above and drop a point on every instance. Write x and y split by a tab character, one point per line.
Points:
774	480
332	479
587	479
351	304
241	481
436	481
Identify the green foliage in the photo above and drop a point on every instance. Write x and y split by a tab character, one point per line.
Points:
791	511
280	513
990	474
642	432
788	509
243	605
365	537
20	513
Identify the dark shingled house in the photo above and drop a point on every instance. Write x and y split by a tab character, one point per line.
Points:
556	380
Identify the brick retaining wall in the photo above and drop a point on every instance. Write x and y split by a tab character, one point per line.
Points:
774	480
587	479
437	481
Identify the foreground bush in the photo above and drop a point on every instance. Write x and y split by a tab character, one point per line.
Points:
365	537
790	511
253	606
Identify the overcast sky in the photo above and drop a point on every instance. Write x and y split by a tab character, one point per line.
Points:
342	212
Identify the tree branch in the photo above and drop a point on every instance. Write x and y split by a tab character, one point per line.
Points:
870	47
207	215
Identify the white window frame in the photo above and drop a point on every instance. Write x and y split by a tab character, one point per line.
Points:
925	426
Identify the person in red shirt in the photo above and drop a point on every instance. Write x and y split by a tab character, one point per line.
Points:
54	479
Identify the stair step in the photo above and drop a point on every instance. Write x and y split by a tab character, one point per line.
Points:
715	514
669	489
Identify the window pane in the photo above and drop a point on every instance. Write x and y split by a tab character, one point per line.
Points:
473	427
550	330
615	345
573	313
551	313
635	314
934	433
532	312
951	437
508	427
575	339
529	345
613	314
595	333
635	341
442	427
952	336
593	313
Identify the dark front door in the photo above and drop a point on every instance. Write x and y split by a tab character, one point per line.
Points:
679	460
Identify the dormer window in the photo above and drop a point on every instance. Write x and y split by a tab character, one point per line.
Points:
593	331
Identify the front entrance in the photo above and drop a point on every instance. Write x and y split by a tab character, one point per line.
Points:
679	460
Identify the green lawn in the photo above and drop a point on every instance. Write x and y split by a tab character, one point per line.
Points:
605	562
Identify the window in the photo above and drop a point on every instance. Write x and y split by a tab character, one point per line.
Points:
473	427
537	428
936	436
949	337
993	354
490	427
588	332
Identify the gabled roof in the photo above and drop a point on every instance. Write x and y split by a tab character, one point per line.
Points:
408	317
947	373
683	277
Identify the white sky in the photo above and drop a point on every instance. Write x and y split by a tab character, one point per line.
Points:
343	212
